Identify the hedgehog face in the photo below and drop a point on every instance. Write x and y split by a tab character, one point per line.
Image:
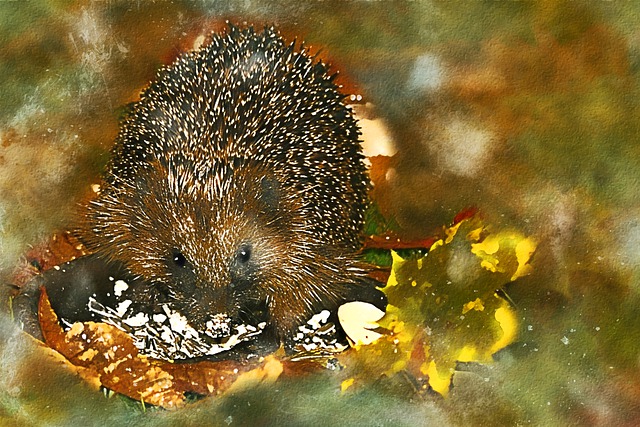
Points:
204	253
233	289
211	268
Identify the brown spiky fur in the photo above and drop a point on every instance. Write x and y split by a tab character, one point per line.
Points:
243	145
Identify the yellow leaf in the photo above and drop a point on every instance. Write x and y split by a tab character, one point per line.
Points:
467	354
474	235
443	307
396	260
512	247
524	249
506	317
473	305
451	232
489	246
436	244
439	382
346	384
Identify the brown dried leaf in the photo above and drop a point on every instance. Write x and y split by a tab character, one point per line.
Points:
105	355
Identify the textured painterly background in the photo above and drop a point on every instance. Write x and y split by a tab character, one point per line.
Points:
527	110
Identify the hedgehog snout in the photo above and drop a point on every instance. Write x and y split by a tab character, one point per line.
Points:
213	300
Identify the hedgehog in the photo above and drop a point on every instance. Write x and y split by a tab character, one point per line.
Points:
234	201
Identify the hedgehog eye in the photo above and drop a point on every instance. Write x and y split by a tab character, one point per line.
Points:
178	258
244	254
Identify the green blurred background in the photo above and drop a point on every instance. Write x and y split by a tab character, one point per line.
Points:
527	110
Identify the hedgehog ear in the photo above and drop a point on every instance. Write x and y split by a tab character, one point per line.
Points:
270	193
